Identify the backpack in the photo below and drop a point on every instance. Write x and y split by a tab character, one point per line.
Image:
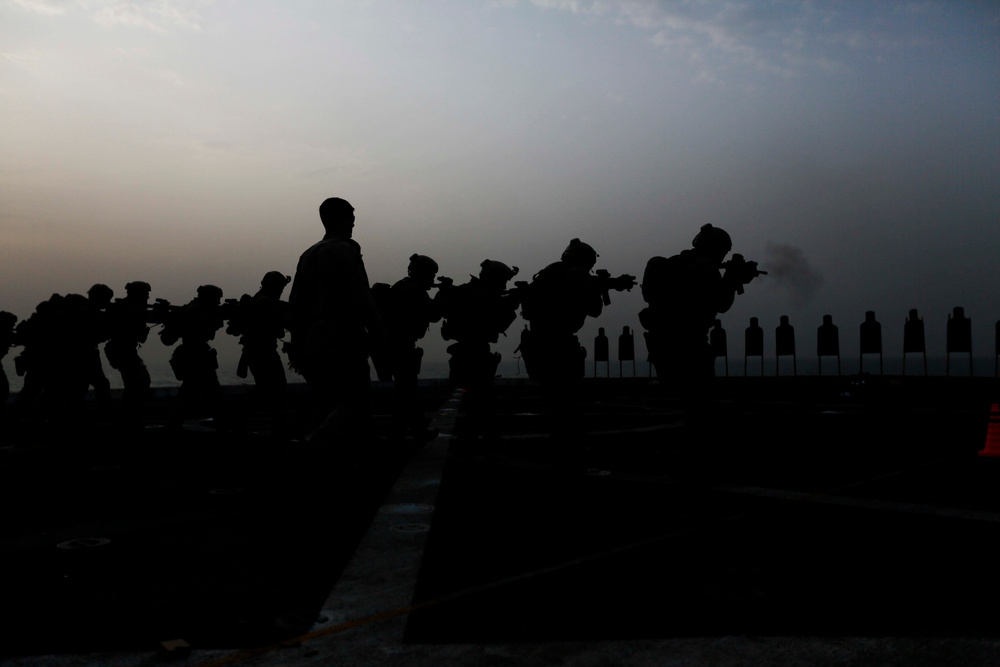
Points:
660	280
660	284
537	297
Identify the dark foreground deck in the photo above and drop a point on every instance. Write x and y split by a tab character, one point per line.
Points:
804	521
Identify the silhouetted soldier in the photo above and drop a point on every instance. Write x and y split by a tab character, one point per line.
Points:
7	322
556	304
475	315
55	358
129	321
77	337
408	312
335	325
36	357
97	330
260	321
195	361
685	294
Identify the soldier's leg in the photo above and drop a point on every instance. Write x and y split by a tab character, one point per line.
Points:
473	368
99	381
136	383
407	414
269	378
569	359
350	420
482	409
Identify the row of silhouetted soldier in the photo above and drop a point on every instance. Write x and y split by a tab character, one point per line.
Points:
336	321
60	357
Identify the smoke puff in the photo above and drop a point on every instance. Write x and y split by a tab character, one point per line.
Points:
791	271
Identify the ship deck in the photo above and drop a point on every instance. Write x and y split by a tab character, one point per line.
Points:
802	520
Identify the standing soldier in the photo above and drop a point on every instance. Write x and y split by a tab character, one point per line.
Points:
96	329
408	311
335	325
194	362
58	341
129	329
475	315
62	347
35	361
685	294
261	323
556	304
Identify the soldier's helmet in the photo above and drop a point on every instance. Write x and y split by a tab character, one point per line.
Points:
138	288
210	293
712	240
275	280
422	264
100	293
579	253
498	272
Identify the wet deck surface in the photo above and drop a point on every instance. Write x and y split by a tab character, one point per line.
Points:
793	525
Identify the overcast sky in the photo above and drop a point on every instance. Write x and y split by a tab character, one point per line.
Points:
853	148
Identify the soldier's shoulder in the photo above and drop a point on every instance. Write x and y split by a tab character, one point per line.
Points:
331	250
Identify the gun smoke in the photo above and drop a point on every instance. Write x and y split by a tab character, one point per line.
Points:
792	273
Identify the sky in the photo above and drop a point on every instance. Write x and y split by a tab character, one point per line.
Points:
853	149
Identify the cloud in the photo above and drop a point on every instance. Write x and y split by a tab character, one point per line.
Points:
776	39
698	30
26	59
575	6
46	7
157	16
790	271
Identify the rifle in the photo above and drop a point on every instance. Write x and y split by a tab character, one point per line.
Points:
160	311
519	291
443	282
605	283
741	270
